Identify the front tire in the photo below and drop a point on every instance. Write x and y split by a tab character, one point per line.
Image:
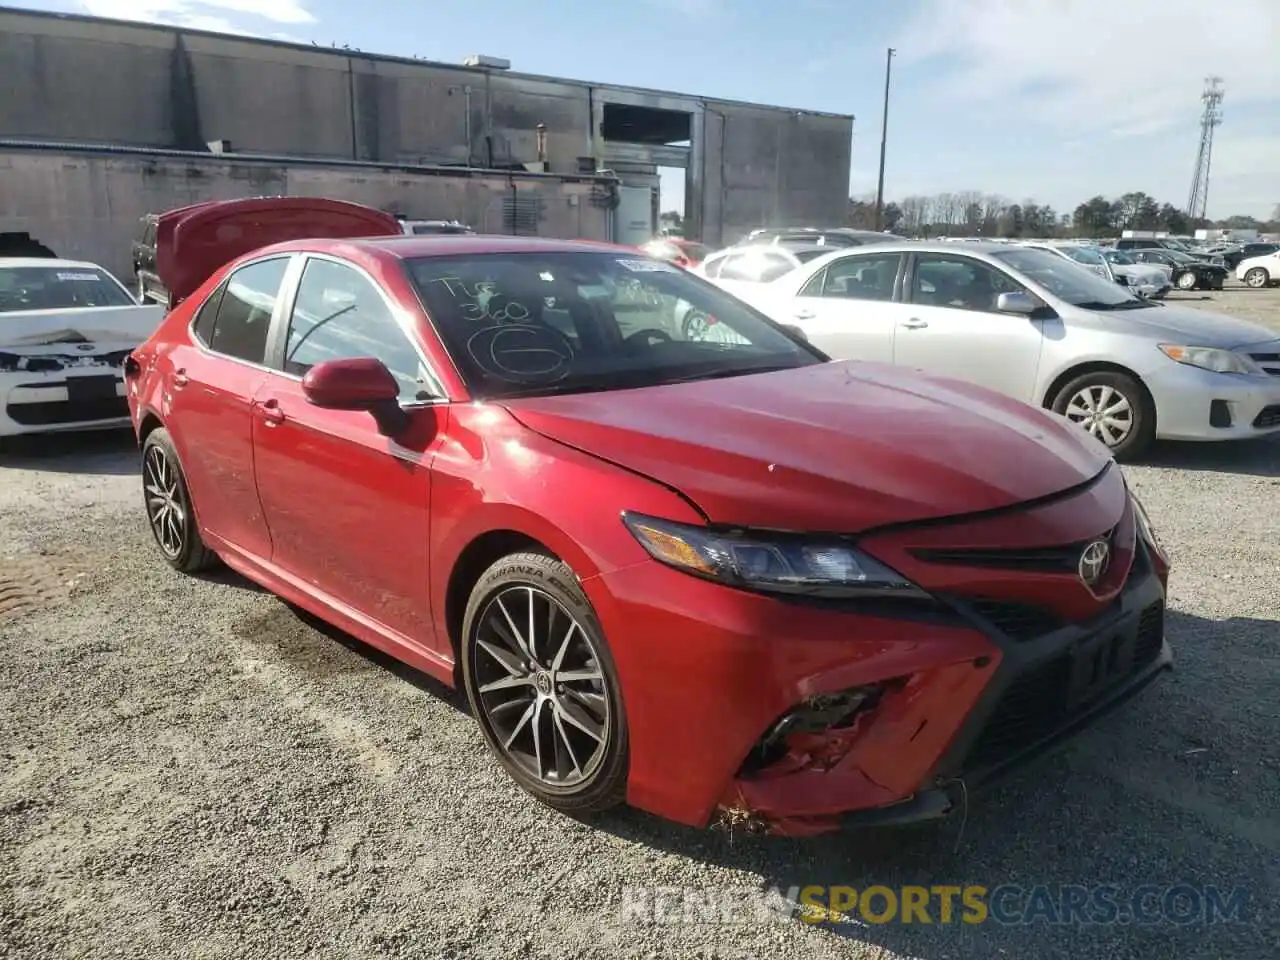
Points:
1187	281
1113	407
168	504
543	686
1257	277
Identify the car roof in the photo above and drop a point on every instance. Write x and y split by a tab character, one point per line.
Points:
47	262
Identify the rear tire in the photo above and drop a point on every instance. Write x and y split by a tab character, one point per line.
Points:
1187	281
167	501
1133	414
537	695
1257	277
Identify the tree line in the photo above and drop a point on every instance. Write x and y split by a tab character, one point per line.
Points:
972	213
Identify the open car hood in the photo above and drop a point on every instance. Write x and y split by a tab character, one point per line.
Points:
116	325
837	447
193	242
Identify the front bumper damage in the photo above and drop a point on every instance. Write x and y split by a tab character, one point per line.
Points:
1033	695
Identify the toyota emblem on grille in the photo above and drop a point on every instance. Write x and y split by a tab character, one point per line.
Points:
1093	561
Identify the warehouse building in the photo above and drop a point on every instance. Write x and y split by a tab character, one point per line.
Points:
104	121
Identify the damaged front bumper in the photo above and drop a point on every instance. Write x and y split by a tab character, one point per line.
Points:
807	776
47	391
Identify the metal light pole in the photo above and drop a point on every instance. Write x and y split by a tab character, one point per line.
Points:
884	137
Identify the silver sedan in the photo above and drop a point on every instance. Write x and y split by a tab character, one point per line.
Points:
1043	329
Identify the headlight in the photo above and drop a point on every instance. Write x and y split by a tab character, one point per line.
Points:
767	562
1210	358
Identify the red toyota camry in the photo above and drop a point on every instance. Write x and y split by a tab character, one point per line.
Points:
714	578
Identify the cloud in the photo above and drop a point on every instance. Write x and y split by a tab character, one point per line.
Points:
1120	80
221	16
1092	65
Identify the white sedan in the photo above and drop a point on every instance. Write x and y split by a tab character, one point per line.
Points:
1260	271
66	329
1043	329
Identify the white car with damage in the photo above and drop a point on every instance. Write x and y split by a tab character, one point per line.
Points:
66	329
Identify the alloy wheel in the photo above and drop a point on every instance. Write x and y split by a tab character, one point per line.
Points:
165	510
1187	281
1257	277
540	685
1103	411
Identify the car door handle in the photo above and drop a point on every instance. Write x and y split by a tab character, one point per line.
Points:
180	378
270	412
804	314
915	323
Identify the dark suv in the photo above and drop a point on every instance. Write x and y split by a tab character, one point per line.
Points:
147	283
1247	251
1163	243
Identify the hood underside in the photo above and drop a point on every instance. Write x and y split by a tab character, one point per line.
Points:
838	447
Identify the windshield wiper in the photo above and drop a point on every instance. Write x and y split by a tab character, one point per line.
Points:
721	372
1122	305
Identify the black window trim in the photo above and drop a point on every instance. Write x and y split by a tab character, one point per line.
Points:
857	253
275	312
278	335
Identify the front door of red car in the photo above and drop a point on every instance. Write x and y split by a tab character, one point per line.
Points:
211	387
348	507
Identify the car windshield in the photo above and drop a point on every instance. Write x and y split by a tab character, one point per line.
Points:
1083	255
1072	282
552	323
1119	256
58	288
1179	257
804	256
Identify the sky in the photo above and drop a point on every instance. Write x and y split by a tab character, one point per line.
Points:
1051	100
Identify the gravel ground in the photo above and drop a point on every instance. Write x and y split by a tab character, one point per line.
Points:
189	768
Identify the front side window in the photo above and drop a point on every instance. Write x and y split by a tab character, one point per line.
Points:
58	288
245	307
340	315
964	284
548	323
863	277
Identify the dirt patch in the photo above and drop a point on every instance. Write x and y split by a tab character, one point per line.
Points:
34	581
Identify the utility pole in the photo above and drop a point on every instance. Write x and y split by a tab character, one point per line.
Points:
884	137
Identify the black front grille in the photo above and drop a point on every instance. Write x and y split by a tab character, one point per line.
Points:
1150	636
1269	417
47	414
1056	559
1018	621
1036	704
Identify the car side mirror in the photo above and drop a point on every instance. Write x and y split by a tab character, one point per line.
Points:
357	383
1020	303
795	331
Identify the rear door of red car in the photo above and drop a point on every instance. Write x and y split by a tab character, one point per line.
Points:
347	506
212	383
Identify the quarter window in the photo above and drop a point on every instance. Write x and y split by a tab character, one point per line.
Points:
865	277
340	315
244	307
959	283
207	315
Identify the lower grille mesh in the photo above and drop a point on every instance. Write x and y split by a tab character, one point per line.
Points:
1035	704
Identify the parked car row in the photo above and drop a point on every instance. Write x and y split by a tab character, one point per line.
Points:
1033	324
